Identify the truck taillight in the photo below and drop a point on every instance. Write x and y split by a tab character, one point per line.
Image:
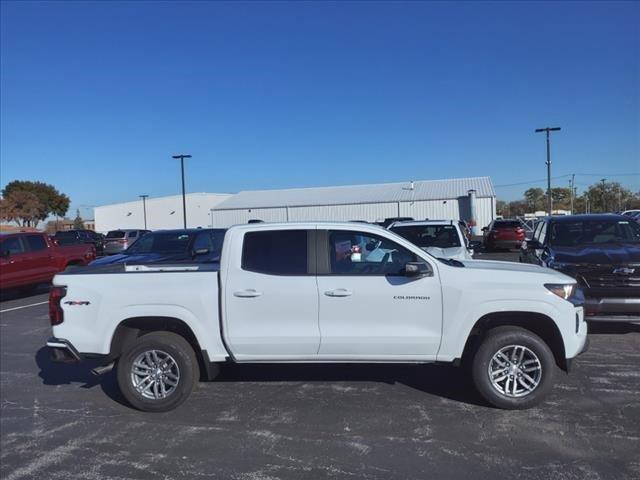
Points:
56	294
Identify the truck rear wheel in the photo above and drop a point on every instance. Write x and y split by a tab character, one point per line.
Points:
157	372
513	368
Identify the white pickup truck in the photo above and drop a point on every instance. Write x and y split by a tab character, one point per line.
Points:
318	292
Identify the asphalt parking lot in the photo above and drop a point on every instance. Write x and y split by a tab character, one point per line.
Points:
318	421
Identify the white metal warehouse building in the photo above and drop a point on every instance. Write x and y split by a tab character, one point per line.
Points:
162	212
435	199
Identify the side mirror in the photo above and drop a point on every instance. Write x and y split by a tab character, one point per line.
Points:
200	251
417	269
475	244
533	244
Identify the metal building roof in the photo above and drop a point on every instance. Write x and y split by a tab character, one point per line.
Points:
354	194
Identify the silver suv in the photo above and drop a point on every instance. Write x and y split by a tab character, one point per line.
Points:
117	241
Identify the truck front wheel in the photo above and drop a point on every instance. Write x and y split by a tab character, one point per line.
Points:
513	368
157	372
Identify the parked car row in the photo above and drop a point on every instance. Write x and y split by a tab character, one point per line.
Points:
30	258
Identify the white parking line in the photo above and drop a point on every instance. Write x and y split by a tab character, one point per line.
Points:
24	306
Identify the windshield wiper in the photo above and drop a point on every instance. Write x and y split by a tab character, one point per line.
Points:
451	262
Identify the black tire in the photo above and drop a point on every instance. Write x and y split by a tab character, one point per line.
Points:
504	337
184	358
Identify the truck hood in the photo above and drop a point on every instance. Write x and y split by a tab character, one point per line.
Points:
491	265
607	254
457	253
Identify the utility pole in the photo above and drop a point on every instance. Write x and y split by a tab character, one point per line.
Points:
547	130
604	202
571	189
144	208
184	200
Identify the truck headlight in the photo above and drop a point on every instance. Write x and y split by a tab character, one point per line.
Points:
563	290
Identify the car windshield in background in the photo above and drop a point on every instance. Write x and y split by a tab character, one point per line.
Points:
161	242
175	243
568	234
66	238
442	236
508	224
116	234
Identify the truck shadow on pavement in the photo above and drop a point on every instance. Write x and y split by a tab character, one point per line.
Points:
614	328
53	373
440	380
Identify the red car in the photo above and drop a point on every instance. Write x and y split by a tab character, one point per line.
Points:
503	234
30	258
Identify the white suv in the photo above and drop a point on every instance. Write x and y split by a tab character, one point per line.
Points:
440	238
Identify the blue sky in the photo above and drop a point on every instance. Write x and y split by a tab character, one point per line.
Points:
97	96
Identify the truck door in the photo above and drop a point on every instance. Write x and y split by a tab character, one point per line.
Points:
39	259
12	257
271	298
368	308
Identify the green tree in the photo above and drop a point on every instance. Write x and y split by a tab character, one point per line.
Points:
561	198
78	223
535	198
22	207
51	201
609	197
502	208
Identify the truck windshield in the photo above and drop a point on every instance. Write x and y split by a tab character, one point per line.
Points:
569	234
116	234
442	236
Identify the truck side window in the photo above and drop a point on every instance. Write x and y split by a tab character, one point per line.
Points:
12	246
275	252
36	243
355	253
543	233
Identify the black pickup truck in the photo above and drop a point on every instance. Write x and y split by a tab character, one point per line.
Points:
602	252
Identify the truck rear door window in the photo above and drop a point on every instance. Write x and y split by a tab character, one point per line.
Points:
11	246
276	252
36	243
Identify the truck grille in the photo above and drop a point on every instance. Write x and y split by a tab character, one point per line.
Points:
605	278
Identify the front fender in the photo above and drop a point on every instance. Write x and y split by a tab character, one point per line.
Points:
456	330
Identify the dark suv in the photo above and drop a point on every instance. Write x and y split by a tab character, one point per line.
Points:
72	237
602	252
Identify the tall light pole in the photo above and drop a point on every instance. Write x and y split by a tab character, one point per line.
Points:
604	202
547	130
184	201
144	208
572	188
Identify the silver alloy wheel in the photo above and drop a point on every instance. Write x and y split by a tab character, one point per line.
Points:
515	371
155	374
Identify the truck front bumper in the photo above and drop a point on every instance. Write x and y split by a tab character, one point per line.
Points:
63	351
612	309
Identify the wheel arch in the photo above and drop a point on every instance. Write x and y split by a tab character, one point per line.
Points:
537	323
130	329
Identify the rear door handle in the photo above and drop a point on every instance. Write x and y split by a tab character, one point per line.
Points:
249	293
338	292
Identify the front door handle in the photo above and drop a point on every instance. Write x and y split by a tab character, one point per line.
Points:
249	293
338	292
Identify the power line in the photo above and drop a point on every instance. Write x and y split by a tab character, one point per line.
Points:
528	182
